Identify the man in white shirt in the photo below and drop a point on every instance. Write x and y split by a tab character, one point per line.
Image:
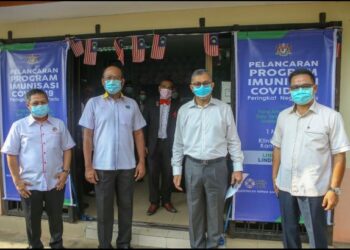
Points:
308	162
111	123
38	149
205	133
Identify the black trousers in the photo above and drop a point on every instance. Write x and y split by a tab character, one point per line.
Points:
33	208
159	165
121	184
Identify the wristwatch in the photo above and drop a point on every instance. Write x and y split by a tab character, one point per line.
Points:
335	190
67	171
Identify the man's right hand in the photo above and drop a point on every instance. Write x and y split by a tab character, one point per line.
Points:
91	175
177	182
275	186
21	187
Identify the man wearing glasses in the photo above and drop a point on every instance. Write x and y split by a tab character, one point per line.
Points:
205	133
308	162
111	124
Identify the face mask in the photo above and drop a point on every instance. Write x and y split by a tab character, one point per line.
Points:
113	86
143	97
174	95
40	111
165	93
202	91
302	96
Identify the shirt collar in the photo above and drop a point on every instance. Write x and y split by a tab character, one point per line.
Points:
212	101
31	120
314	108
106	95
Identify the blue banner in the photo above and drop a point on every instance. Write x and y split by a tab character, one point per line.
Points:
263	62
25	67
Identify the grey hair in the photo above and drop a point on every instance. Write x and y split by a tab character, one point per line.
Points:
199	72
34	92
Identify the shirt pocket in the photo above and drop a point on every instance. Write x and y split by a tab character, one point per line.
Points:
316	140
53	140
126	121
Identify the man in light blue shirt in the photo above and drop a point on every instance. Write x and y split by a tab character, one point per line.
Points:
38	149
111	124
205	133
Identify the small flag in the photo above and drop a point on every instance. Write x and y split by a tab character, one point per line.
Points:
138	49
77	47
119	50
90	52
158	47
211	44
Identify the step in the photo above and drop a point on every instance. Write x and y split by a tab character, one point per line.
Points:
148	235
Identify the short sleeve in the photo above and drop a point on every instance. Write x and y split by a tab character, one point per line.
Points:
87	118
12	144
338	138
66	139
277	135
139	121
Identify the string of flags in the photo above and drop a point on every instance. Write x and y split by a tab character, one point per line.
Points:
138	46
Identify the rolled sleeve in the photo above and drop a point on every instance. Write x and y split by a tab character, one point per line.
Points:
178	147
87	118
338	138
12	143
233	142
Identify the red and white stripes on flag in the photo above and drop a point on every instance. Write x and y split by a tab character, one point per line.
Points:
90	52
119	50
211	44
138	49
77	47
158	47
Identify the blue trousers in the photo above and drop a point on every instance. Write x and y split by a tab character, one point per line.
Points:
315	219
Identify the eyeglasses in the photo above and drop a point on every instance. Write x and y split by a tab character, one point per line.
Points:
112	77
305	85
198	84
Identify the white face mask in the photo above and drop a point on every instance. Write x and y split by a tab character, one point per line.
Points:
165	93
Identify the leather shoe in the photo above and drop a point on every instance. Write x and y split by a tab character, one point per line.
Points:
169	207
152	209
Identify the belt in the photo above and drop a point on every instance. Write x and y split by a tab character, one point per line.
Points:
206	162
162	139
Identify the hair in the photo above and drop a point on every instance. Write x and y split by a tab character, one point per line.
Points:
301	71
199	72
168	80
35	92
113	65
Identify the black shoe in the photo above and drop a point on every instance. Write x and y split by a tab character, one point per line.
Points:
169	207
124	247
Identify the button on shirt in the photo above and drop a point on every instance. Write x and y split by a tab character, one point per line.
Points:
113	123
206	133
307	144
163	120
39	147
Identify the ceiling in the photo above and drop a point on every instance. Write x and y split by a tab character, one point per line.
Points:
22	11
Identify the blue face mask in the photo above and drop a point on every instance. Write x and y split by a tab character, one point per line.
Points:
202	91
40	111
113	86
302	96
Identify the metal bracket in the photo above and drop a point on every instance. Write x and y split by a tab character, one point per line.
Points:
97	28
322	18
202	22
9	35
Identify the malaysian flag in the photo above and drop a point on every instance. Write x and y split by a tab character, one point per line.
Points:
90	52
158	47
138	49
211	44
119	50
77	47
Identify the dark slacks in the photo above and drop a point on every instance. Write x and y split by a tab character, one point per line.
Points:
315	219
121	184
206	186
159	166
33	208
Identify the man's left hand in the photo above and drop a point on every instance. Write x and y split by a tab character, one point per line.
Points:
61	180
140	171
236	177
330	200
